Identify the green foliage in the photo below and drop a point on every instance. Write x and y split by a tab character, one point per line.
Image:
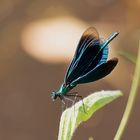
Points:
72	117
129	56
131	99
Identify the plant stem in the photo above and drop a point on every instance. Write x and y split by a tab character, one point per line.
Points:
131	100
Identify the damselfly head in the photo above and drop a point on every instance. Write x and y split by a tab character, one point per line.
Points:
54	95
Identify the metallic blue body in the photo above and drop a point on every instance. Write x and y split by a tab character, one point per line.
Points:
89	63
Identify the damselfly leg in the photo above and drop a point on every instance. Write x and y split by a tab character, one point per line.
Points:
75	95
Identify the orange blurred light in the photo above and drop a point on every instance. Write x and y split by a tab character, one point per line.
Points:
52	40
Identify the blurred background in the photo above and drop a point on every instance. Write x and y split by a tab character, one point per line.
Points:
37	41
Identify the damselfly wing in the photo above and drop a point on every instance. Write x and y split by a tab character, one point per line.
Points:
89	62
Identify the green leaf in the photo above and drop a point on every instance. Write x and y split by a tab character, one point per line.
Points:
75	115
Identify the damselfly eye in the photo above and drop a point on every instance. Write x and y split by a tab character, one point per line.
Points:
53	95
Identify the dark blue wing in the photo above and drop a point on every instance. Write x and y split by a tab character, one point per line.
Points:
86	40
97	73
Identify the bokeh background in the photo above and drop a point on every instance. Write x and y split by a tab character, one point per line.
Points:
37	41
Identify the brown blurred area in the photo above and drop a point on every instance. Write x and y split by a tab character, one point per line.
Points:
26	109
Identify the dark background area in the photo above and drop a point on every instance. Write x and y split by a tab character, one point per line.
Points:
27	79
